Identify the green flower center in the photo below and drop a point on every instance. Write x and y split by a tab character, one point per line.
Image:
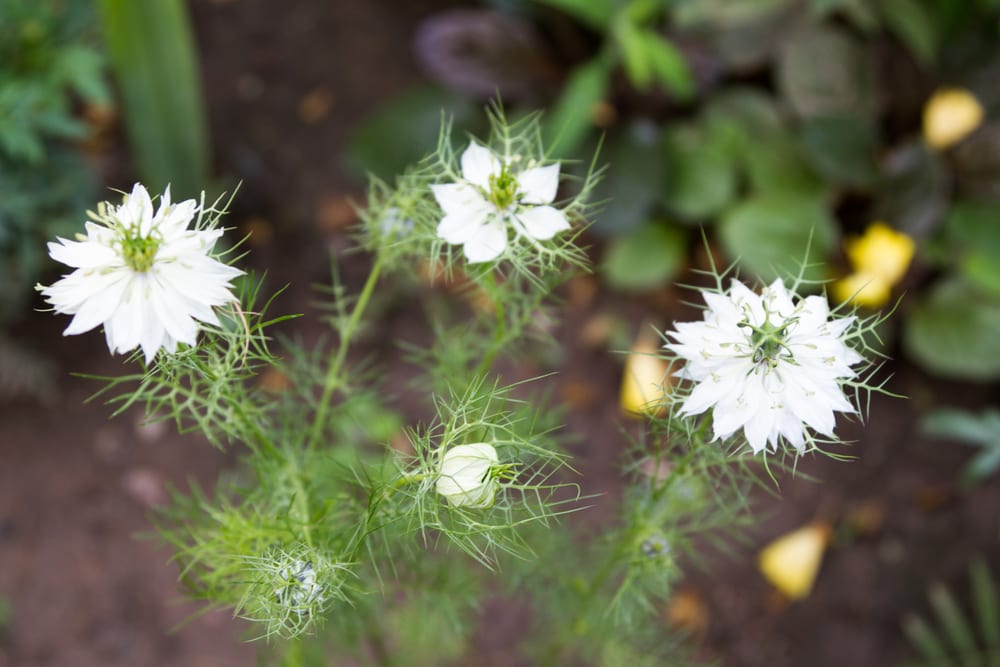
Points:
139	251
503	190
768	341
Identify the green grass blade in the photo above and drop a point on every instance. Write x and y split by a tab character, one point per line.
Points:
153	55
924	639
984	594
956	626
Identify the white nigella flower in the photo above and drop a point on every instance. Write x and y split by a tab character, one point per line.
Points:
491	197
767	364
298	588
466	477
146	277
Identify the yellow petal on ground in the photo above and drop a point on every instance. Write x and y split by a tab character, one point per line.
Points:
882	252
791	562
643	381
950	115
862	289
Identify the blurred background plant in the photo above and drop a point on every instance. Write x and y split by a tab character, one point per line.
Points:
50	64
771	125
51	79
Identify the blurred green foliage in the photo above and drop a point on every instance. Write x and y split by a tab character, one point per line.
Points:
976	430
154	58
777	126
48	63
954	638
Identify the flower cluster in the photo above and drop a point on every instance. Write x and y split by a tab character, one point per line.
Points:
768	363
144	276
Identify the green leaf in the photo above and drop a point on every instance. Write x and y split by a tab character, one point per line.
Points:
952	620
569	121
952	332
987	603
842	149
983	271
823	71
595	14
925	640
770	234
153	55
632	45
914	25
645	258
781	168
974	429
701	174
669	66
636	172
404	131
914	191
973	226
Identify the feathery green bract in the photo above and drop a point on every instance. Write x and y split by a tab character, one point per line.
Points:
153	55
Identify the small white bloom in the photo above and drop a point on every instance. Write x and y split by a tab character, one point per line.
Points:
767	364
297	587
466	477
146	277
492	196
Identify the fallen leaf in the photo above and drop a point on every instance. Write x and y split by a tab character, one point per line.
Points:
792	561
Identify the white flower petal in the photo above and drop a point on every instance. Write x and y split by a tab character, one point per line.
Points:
458	197
539	185
479	164
542	222
488	242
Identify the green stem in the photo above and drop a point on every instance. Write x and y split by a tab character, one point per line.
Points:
333	372
499	334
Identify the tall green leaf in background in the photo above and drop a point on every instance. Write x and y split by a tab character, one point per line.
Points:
152	52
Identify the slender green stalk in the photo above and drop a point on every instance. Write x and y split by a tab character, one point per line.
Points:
333	372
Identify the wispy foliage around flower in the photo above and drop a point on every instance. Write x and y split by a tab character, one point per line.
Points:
340	516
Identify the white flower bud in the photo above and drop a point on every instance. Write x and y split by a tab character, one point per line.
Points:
466	477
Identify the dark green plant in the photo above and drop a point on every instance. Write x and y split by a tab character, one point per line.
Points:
954	638
981	431
154	58
48	61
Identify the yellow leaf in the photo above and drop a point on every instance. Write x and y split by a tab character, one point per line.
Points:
881	252
950	115
642	390
791	562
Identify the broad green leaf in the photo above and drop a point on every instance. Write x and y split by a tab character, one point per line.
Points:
781	167
404	130
983	271
633	46
976	429
952	332
914	24
669	66
973	226
636	172
645	258
569	121
842	149
153	55
914	190
770	234
701	176
823	71
595	14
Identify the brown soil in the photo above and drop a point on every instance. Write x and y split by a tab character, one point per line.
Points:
285	84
